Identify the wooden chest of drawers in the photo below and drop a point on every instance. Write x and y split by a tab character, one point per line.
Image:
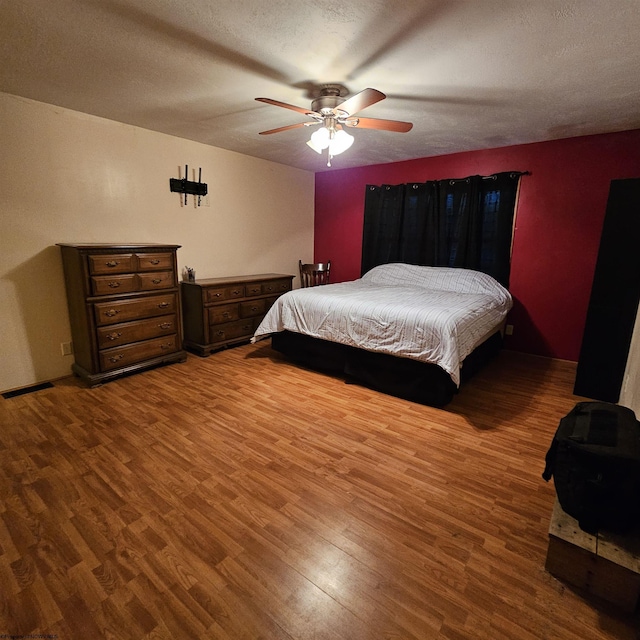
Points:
123	307
219	312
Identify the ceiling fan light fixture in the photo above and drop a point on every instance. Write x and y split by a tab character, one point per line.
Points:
320	139
340	142
313	146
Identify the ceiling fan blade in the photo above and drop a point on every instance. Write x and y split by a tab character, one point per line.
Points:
285	105
279	129
381	125
361	100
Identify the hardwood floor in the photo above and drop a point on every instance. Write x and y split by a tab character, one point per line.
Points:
239	496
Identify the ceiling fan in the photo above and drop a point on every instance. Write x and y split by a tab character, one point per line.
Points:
334	112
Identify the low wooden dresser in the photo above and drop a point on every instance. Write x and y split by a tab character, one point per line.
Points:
606	565
123	307
220	312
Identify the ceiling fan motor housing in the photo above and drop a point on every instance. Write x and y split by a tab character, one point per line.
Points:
326	104
331	96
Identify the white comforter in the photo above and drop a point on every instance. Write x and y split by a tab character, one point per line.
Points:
431	314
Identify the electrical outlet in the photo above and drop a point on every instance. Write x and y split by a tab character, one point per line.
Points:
66	348
509	330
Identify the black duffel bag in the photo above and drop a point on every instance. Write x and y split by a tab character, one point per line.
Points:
595	462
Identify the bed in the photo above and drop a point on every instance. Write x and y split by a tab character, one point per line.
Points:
413	331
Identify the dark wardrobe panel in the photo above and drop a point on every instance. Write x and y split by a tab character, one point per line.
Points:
615	293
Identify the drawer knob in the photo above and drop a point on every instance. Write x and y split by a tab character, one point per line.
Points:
165	325
218	294
163	305
116	358
112	263
111	312
155	261
156	281
114	336
254	308
166	345
220	333
269	288
114	285
225	314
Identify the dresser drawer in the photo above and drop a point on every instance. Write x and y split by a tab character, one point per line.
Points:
155	261
121	311
253	289
117	334
231	330
252	308
275	286
217	294
130	354
116	263
108	285
223	313
157	280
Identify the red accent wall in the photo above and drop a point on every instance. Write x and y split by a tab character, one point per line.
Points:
559	220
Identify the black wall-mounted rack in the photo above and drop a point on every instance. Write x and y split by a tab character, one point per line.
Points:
189	187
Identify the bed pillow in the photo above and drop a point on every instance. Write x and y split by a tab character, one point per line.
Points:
437	278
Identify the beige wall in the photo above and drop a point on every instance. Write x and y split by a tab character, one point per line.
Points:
630	394
70	177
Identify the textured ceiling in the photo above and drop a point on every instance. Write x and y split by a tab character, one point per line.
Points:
468	74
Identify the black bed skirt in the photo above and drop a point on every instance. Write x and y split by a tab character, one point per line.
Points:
409	379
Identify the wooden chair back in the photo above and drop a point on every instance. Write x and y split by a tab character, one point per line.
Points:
314	274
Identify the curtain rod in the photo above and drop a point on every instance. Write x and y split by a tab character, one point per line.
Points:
493	176
512	174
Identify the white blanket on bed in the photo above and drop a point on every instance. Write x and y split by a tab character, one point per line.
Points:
430	314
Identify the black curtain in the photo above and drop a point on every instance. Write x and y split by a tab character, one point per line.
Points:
442	223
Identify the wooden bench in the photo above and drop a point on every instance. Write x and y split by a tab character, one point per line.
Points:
605	565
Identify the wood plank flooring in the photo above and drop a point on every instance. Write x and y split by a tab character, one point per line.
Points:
241	497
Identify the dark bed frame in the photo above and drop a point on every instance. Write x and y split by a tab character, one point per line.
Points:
401	377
